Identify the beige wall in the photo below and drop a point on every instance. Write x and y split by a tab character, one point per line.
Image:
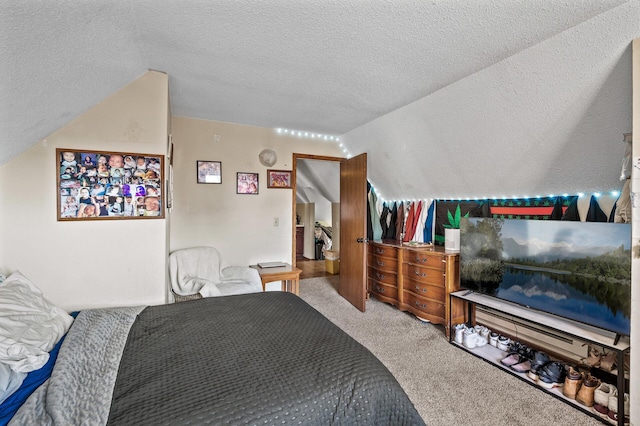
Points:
83	264
239	226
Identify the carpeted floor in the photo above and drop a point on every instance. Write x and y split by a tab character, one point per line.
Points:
447	385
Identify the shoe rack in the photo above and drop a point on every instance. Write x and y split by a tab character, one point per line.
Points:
578	331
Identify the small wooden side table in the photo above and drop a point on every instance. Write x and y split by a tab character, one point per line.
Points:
289	276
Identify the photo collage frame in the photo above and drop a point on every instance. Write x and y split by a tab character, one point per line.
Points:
109	185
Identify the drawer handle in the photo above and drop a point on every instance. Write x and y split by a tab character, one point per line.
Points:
379	251
421	259
423	274
379	289
418	305
380	276
379	263
424	290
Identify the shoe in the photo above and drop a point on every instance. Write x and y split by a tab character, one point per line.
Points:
484	332
608	361
522	367
481	340
572	383
511	359
503	343
586	392
593	357
551	375
540	358
459	331
493	339
613	407
469	338
601	399
533	371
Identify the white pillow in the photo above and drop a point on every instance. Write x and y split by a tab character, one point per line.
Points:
10	381
30	326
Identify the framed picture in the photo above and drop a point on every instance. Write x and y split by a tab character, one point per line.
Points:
247	183
209	171
109	185
278	178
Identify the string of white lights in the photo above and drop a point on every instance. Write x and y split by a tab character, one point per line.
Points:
309	135
580	195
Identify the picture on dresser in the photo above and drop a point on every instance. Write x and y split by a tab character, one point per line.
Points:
109	185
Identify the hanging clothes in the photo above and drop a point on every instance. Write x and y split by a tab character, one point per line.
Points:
391	229
595	213
572	211
428	226
623	204
418	235
400	221
384	219
409	224
556	213
375	215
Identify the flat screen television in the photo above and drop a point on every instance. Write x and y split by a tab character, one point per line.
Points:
576	270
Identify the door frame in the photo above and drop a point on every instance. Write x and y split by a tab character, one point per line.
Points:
294	165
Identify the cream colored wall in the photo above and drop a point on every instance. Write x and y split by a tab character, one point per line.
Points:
84	264
239	226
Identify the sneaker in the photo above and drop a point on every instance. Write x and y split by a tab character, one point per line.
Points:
601	400
533	371
469	338
551	375
459	331
613	407
503	343
484	332
493	339
481	340
540	358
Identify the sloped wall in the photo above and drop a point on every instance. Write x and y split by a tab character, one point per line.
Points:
86	264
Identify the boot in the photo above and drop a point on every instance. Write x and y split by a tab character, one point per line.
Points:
585	394
572	383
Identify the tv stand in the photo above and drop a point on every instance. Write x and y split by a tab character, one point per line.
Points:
578	331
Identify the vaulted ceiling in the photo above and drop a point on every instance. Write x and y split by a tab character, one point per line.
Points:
362	69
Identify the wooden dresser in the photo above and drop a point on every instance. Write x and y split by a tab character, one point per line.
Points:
417	280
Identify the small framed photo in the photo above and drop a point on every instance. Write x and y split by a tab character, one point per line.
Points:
247	183
279	179
209	171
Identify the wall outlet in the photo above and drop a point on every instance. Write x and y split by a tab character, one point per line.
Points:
276	221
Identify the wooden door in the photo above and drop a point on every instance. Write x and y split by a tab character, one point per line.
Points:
353	227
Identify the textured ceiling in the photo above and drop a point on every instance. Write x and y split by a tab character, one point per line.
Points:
322	66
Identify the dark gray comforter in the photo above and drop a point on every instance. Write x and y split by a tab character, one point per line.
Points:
264	358
253	359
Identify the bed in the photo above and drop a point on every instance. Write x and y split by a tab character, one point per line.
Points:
262	358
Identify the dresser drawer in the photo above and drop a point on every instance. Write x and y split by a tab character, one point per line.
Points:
384	290
432	292
428	259
383	250
420	304
383	276
422	274
383	263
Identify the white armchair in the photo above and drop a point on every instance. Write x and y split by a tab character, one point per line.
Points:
198	272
